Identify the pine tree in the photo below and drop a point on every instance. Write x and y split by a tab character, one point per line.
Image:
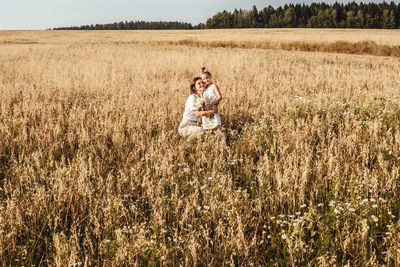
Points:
289	18
254	18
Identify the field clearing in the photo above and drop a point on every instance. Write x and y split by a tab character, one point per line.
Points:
93	171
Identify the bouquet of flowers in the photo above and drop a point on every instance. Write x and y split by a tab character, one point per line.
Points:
207	122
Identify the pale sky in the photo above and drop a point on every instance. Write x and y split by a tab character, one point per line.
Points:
44	14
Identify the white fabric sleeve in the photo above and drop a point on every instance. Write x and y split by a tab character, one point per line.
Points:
191	103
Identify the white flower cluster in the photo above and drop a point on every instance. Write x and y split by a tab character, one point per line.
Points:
235	161
128	229
367	208
204	208
202	101
265	123
287	223
302	100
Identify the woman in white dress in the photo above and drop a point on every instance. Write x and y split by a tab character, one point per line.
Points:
188	126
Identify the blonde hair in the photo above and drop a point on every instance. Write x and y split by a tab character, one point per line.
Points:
205	71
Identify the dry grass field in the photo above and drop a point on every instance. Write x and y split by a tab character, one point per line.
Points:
94	173
381	37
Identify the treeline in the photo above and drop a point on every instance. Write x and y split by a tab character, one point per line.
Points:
316	15
137	25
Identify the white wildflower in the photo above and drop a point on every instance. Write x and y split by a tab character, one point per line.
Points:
336	211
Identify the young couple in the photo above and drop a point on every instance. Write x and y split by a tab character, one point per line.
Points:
202	103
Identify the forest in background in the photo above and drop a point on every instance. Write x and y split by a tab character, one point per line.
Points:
316	15
137	25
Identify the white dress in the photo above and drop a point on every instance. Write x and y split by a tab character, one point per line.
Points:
210	122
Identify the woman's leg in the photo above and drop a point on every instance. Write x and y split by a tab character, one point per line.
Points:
190	131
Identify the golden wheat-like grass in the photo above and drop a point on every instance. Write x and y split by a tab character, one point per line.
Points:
380	37
93	171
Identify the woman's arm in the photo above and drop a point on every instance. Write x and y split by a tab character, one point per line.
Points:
199	113
218	99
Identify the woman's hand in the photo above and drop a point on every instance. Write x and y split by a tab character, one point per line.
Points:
200	113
